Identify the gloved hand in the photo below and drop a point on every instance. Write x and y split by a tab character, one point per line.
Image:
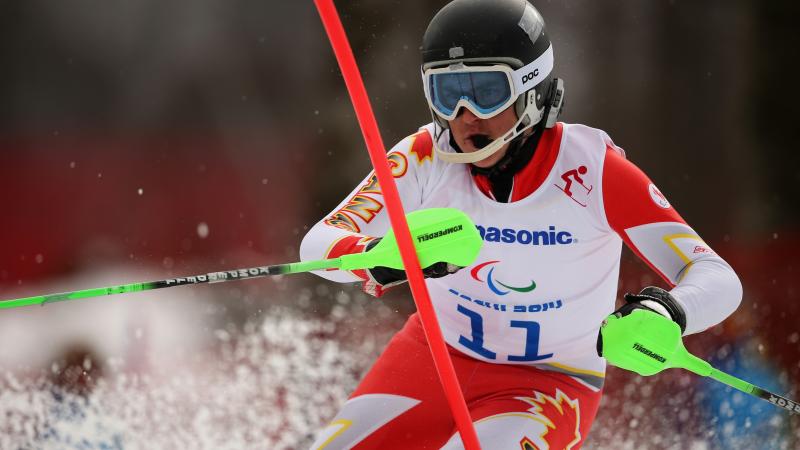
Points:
383	278
653	299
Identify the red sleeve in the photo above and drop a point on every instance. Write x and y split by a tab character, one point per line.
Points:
630	199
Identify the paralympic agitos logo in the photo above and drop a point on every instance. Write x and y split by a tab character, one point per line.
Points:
493	283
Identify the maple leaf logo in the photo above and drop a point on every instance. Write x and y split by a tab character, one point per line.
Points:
550	411
422	146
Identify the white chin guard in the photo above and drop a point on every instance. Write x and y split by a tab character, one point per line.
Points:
529	117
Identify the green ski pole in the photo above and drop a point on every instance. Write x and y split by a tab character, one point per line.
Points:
625	345
440	234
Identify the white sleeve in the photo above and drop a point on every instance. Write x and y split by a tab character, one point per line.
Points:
708	278
705	285
362	215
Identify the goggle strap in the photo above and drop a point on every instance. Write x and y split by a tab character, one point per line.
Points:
534	73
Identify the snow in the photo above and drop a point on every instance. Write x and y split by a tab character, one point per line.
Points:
202	230
266	386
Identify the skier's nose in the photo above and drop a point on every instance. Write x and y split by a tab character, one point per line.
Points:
467	116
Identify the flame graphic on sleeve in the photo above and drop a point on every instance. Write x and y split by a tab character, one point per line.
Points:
561	412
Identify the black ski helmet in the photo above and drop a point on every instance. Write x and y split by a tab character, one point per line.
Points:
481	32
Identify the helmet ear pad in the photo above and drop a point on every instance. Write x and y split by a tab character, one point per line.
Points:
549	99
555	102
542	92
525	99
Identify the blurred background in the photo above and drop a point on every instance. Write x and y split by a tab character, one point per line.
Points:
149	139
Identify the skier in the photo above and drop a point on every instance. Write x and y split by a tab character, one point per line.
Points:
522	323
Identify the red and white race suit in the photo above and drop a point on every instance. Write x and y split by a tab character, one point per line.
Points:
522	321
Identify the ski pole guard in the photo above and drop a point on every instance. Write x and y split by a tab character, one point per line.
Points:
643	341
439	235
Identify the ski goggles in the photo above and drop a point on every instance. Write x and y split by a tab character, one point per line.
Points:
484	90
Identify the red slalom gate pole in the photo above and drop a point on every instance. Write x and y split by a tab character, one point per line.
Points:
377	154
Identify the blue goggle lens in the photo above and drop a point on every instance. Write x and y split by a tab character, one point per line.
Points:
485	91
